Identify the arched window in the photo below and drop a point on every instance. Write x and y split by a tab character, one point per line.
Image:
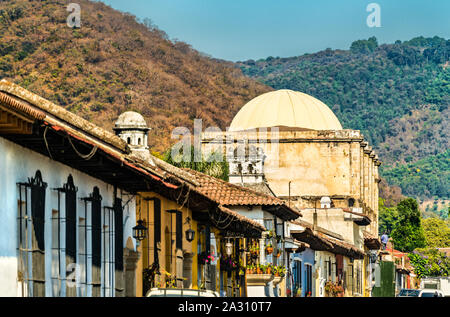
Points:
139	141
351	202
128	140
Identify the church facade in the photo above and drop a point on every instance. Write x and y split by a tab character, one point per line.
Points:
294	145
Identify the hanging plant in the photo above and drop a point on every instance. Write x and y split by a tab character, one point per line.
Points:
269	248
205	258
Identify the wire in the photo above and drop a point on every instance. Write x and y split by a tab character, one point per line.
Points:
46	143
86	157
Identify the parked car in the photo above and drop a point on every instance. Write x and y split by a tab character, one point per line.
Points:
180	292
431	293
406	292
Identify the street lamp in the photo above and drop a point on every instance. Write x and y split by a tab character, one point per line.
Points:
140	231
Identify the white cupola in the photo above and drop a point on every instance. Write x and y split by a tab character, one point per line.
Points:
132	128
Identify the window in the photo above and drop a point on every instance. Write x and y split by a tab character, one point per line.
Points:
351	202
297	271
70	192
350	278
308	281
31	248
96	241
108	263
118	239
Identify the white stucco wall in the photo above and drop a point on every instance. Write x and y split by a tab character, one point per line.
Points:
17	164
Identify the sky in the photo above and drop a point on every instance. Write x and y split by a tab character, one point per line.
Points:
238	30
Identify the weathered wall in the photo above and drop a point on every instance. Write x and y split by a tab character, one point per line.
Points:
338	164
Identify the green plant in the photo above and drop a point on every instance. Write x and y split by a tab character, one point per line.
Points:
429	262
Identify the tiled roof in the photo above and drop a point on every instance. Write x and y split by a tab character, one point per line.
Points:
17	99
42	109
228	194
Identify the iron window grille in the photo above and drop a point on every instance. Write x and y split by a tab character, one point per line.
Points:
31	246
108	263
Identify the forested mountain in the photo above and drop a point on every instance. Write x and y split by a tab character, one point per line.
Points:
113	63
398	95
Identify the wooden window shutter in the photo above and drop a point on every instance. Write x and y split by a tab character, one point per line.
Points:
157	226
71	230
96	208
179	231
38	188
118	248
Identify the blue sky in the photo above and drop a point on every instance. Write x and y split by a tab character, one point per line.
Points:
252	29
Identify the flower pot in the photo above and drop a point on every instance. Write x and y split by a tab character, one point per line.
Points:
269	250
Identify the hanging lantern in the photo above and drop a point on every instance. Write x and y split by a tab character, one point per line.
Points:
140	231
190	234
229	248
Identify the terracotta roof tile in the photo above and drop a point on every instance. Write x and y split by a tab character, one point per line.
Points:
232	195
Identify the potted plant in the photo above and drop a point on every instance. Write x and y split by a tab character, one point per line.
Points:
259	269
269	248
254	251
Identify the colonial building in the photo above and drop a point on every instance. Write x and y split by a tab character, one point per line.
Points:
298	149
265	257
90	213
67	208
194	241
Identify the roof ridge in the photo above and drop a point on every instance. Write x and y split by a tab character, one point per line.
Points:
241	188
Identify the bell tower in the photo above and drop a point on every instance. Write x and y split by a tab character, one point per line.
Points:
132	128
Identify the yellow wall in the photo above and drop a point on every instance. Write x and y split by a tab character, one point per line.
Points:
146	246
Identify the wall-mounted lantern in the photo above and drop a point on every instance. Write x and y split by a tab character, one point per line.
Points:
190	234
229	248
140	231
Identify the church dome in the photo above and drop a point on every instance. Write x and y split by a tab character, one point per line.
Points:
130	120
285	108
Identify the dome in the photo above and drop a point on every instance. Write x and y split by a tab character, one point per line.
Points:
285	108
129	120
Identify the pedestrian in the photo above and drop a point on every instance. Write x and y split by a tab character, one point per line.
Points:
384	240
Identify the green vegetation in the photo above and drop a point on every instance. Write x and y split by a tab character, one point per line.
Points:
398	95
430	262
213	165
427	177
408	232
115	63
387	218
420	237
437	232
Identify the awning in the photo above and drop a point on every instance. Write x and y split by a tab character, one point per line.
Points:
371	242
320	242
